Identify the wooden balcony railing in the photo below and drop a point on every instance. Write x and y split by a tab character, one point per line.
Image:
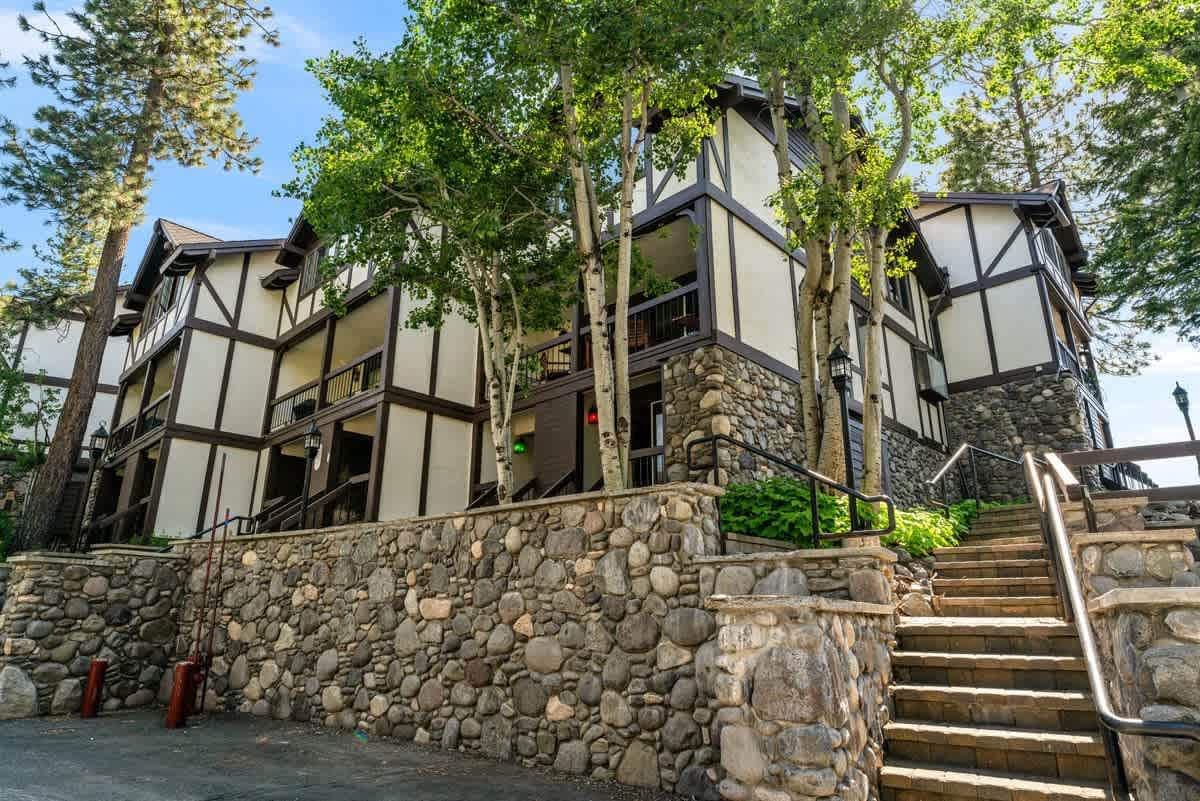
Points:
548	362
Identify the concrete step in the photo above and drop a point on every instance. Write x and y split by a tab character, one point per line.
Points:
1031	752
993	568
988	552
915	781
994	586
998	539
1017	671
1034	636
1052	710
999	605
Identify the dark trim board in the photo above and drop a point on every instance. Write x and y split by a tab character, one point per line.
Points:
1049	368
423	502
63	383
204	488
998	279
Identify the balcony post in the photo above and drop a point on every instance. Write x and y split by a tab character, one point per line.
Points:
326	357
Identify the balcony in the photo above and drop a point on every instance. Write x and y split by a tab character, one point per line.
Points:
658	321
294	406
355	379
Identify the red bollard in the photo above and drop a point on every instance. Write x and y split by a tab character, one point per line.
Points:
93	688
182	688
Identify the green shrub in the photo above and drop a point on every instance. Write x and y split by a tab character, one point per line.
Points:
777	508
150	539
7	532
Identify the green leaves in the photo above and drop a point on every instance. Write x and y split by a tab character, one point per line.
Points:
779	508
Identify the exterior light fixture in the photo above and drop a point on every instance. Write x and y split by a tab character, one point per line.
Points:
593	416
1181	400
840	371
519	445
839	366
312	446
98	442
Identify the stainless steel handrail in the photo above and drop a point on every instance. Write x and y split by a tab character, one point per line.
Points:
940	475
1044	490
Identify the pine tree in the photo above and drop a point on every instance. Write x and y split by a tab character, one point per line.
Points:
137	82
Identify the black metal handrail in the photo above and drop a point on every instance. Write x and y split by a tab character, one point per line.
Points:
565	480
121	436
1043	489
813	480
244	525
955	461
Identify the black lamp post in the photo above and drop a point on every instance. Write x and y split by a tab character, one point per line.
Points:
312	444
1181	400
98	443
839	371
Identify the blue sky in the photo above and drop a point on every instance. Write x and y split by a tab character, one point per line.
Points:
285	107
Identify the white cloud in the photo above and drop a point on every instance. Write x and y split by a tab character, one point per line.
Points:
1176	358
298	42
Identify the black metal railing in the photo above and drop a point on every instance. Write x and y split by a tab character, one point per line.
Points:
971	485
484	495
1044	491
238	525
815	480
155	415
355	379
564	485
121	436
647	467
664	319
548	362
297	405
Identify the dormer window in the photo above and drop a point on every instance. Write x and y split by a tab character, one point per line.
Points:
899	294
310	270
162	299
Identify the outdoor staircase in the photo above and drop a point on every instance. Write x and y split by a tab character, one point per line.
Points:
991	696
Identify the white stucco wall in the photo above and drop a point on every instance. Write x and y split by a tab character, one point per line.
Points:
224	275
765	295
183	477
993	226
401	496
201	388
237	491
964	339
456	361
753	168
1018	324
246	397
722	277
449	465
949	241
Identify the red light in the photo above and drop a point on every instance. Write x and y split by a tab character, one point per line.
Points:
593	416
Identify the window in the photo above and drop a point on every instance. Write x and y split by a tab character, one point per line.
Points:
310	270
162	299
898	293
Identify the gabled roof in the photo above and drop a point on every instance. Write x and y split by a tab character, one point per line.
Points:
175	249
1045	205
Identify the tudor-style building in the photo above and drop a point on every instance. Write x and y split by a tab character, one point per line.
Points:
1015	328
232	356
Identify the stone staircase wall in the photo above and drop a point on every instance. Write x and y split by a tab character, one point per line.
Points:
802	687
61	611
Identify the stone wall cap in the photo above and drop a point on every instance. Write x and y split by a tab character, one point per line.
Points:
794	603
139	551
1143	536
1143	597
600	496
800	555
54	558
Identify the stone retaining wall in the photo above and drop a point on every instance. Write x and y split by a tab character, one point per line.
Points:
63	610
566	633
856	574
1112	560
1150	642
802	687
910	464
1040	414
5	571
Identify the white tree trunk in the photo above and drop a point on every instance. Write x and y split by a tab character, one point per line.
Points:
587	229
484	283
873	364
